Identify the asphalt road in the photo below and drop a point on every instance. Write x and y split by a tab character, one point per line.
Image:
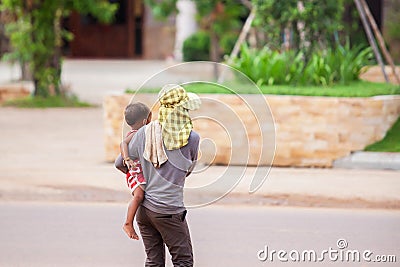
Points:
87	234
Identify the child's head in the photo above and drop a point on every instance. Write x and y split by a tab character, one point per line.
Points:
137	114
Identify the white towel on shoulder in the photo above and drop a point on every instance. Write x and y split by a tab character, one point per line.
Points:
154	146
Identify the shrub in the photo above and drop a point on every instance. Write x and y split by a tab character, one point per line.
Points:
326	67
227	43
196	47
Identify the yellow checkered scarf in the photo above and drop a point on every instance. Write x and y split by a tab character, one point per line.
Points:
174	119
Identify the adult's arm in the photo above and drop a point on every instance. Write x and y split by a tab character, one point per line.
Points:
119	164
189	172
194	153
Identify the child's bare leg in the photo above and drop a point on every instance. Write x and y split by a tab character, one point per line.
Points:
128	225
138	195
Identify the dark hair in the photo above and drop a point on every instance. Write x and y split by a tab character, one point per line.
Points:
135	112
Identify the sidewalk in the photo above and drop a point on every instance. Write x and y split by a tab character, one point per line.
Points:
91	80
57	155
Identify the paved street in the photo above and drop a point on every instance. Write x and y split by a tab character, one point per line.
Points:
48	234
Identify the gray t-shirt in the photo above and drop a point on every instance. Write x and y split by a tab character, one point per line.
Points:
164	186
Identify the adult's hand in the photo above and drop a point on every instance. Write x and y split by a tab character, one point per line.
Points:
119	164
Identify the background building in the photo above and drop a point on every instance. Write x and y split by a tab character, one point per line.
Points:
133	34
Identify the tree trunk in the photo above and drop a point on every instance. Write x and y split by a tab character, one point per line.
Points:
214	52
36	87
297	42
37	91
46	66
26	74
56	59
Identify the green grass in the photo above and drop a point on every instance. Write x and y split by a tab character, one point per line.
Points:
391	142
49	102
355	89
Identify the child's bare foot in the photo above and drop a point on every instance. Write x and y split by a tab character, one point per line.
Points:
130	231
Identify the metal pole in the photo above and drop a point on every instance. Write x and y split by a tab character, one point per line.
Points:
371	38
242	37
381	42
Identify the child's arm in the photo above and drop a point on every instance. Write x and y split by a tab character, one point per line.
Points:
124	151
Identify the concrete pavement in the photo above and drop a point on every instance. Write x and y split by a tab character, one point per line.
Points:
370	160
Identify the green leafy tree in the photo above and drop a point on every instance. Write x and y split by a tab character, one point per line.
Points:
162	9
320	20
36	35
392	33
220	19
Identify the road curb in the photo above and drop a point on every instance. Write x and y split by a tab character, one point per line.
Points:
369	160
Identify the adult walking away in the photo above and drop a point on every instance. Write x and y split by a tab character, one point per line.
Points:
167	149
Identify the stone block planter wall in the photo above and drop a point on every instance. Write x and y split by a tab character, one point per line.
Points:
309	131
10	92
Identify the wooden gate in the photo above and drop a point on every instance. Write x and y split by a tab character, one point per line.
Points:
121	39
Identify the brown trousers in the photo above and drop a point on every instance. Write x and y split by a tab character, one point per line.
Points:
170	229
